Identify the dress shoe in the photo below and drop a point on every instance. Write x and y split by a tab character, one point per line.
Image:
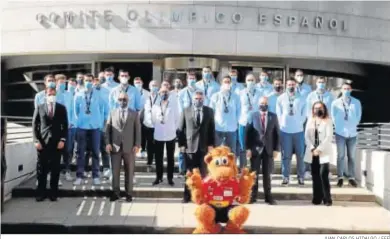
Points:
340	183
328	203
301	181
170	182
129	198
157	181
253	200
353	183
53	198
40	198
271	201
114	197
315	202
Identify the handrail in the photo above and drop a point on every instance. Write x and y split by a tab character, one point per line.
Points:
16	117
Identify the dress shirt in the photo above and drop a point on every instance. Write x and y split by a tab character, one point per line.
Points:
70	109
167	130
48	107
133	94
212	88
40	98
272	98
226	122
123	114
304	90
315	96
346	128
148	110
144	97
247	100
185	97
291	123
265	89
200	110
98	110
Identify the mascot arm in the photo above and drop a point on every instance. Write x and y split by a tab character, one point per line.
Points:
245	185
195	185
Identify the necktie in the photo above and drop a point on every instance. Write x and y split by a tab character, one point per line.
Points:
51	113
263	122
198	117
123	117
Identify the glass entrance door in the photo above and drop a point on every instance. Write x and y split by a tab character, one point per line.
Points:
274	71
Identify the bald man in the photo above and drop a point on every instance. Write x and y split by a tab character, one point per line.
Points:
262	140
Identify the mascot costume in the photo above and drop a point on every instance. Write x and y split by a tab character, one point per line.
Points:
217	193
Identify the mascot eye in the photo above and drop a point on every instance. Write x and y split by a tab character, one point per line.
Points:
218	162
224	162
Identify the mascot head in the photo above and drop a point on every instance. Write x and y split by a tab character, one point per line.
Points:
221	164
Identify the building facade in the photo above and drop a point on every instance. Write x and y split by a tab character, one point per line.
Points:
162	39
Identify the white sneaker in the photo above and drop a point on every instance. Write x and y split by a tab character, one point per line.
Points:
78	181
106	173
307	175
144	154
36	183
48	177
96	181
87	175
68	177
59	182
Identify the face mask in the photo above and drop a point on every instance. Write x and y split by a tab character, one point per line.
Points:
123	104
109	78
51	98
207	76
88	85
226	87
318	112
321	86
346	93
291	89
234	79
164	96
250	84
178	85
263	108
263	79
51	85
96	86
138	86
299	79
198	103
61	86
154	89
102	80
191	82
277	88
124	80
79	81
71	88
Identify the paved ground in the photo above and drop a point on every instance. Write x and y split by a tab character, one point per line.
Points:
94	215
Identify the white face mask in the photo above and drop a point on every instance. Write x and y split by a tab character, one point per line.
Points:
226	87
51	99
124	80
299	78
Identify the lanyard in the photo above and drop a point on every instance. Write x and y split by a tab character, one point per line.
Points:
249	99
141	92
189	97
206	87
346	109
125	90
226	103
88	102
291	105
320	97
154	101
163	111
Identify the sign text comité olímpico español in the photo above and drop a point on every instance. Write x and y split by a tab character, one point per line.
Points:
133	15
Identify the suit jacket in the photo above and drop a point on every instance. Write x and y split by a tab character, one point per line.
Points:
195	137
256	141
325	137
49	131
123	137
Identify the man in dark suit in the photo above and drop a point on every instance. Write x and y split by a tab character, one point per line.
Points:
50	124
196	136
262	139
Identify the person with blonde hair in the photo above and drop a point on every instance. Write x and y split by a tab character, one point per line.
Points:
318	137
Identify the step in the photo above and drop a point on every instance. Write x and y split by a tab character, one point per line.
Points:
144	188
167	215
141	166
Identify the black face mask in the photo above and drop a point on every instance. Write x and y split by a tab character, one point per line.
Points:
278	88
164	96
263	108
319	112
102	80
291	89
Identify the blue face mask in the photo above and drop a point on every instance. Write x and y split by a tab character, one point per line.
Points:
207	76
346	93
71	88
234	79
109	79
51	85
250	84
191	82
61	86
154	89
88	85
321	86
138	86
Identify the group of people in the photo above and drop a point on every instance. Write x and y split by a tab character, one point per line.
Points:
255	120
